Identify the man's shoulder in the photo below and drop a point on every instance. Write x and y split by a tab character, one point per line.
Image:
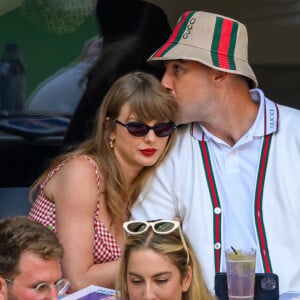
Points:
288	114
289	110
289	124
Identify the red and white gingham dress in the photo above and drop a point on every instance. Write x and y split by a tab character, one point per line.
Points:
43	211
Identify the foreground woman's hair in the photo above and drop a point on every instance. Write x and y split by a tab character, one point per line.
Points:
176	247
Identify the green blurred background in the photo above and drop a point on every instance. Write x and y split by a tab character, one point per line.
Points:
43	51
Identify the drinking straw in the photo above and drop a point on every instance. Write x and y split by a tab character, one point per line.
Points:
234	250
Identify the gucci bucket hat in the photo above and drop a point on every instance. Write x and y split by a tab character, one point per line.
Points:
211	39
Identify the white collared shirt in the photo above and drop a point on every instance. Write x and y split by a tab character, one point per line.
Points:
235	168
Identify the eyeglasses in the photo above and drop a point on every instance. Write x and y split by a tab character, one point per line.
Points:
43	289
140	129
161	227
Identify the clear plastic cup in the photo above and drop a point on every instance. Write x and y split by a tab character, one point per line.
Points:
240	266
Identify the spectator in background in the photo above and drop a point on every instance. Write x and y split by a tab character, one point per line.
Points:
131	31
86	194
29	261
60	93
159	263
12	80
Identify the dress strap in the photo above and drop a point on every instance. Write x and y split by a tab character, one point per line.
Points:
95	166
52	173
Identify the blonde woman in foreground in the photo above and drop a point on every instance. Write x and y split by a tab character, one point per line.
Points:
159	263
86	194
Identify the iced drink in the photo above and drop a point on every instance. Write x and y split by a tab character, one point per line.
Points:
240	266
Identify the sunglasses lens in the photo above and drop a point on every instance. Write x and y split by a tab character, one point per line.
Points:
164	129
137	129
140	129
164	226
136	227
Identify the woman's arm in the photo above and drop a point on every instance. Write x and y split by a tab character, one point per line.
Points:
74	192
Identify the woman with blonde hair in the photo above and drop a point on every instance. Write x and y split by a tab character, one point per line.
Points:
86	194
159	263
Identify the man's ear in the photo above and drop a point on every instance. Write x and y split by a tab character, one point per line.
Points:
3	289
218	76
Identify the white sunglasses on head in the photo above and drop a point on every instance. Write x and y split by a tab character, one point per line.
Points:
161	227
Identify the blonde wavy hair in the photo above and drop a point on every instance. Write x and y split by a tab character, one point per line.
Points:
170	245
148	100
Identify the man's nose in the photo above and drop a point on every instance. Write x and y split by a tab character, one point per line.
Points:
166	81
53	294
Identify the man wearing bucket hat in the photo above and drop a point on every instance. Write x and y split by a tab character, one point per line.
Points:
232	175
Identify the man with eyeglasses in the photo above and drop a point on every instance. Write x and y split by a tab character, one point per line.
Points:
29	261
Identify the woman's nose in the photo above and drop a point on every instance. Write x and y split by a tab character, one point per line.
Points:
148	292
150	136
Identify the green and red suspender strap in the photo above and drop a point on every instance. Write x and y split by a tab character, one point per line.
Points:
214	196
215	200
260	228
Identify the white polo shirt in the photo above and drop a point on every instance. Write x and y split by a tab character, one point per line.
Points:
235	168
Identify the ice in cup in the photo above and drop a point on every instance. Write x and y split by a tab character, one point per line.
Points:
240	266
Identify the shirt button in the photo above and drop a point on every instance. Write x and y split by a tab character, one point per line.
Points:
217	210
217	246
